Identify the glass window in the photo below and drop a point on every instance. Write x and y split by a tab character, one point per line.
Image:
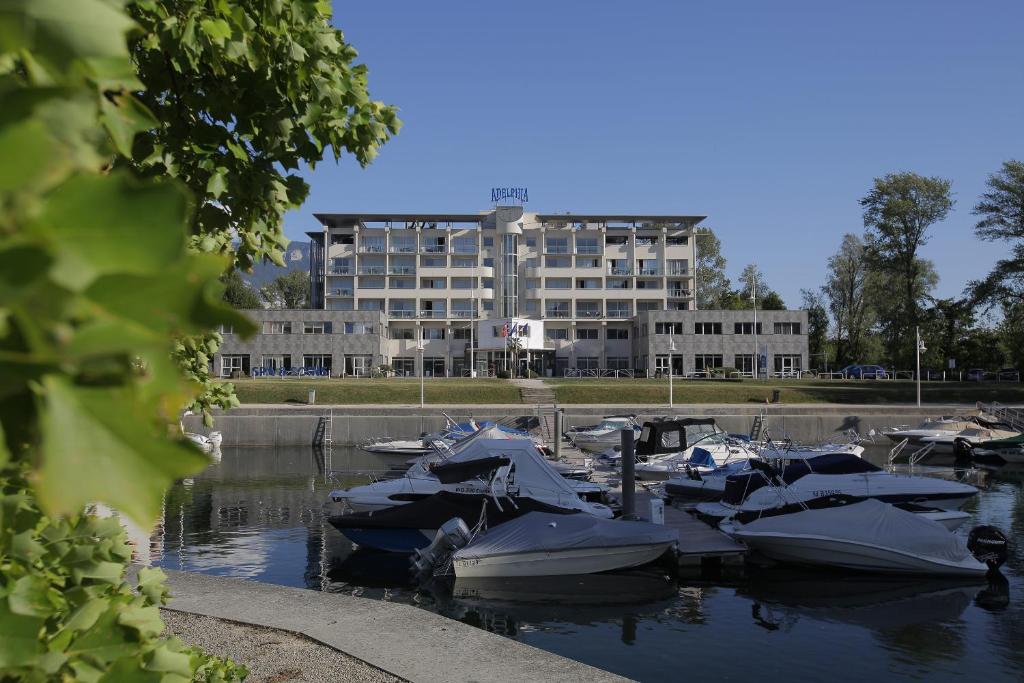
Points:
617	363
358	366
433	333
615	333
230	364
557	262
318	327
556	245
745	328
463	262
556	333
463	333
587	245
707	361
668	328
587	363
489	261
277	327
557	283
488	241
359	328
587	333
317	360
787	328
707	328
677	241
403	333
404	367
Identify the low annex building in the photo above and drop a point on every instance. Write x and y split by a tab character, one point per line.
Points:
454	294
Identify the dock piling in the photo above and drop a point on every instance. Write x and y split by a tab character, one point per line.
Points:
628	474
557	436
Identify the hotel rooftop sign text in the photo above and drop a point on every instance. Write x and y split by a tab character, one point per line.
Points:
504	194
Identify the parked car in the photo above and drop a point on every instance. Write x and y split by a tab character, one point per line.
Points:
1008	375
976	374
865	372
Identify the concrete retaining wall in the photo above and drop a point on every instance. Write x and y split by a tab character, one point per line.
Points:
288	426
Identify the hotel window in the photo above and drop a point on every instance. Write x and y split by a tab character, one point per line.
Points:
276	362
318	327
531	242
617	240
403	245
617	363
587	363
587	245
433	366
464	245
488	262
317	360
643	330
432	283
787	364
648	306
556	245
557	283
487	283
619	309
587	333
434	262
488	241
489	305
744	363
404	367
678	266
276	327
373	245
618	266
232	364
745	328
434	245
533	283
557	262
646	266
615	333
402	283
587	262
462	333
677	241
619	284
462	283
342	266
358	366
668	328
433	333
787	328
647	241
371	304
531	263
707	361
403	333
556	333
707	328
532	306
588	309
342	239
359	328
556	309
463	262
227	329
588	283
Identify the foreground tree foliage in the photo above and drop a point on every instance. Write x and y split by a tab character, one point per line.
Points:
115	228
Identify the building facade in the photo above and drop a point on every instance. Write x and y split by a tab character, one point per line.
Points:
470	292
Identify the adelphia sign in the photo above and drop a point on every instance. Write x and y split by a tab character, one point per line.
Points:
518	194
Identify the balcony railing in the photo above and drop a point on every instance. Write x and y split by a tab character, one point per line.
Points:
463	314
648	271
402	313
342	270
620	271
680	272
371	248
588	313
558	249
341	292
402	270
679	293
464	250
434	314
371	270
589	250
612	313
434	249
402	249
556	314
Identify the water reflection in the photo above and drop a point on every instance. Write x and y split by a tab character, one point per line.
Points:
261	514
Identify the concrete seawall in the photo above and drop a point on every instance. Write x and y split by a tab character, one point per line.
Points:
267	425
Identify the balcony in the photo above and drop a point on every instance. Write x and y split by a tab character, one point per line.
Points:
589	251
371	248
679	294
371	270
648	272
558	249
402	313
341	292
620	271
434	249
464	314
619	313
679	272
556	314
588	313
434	315
402	270
465	251
402	249
342	270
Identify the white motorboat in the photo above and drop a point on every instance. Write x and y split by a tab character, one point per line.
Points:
866	536
542	544
401	447
996	453
831	474
976	434
669	447
465	471
943	431
209	443
604	435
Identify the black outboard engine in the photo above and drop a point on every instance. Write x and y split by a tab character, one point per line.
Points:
963	452
989	545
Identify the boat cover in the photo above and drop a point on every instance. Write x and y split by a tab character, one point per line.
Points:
543	532
454	472
1009	442
701	456
870	522
739	486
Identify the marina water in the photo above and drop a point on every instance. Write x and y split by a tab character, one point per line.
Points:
261	514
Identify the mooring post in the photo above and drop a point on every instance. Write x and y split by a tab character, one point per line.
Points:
628	473
557	436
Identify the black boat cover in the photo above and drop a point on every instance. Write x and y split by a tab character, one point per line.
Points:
454	472
672	436
435	510
739	486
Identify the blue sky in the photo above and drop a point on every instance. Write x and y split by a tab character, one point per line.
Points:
771	119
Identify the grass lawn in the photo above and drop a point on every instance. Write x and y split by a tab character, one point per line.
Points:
640	391
367	391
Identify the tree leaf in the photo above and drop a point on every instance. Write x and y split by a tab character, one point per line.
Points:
100	445
19	644
30	597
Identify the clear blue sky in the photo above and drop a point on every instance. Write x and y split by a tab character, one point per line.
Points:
770	118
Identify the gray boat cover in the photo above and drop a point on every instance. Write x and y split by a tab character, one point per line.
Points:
544	532
870	522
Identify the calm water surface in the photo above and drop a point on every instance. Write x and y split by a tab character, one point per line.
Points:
260	514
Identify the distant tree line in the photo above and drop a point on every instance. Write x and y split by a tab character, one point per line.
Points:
290	290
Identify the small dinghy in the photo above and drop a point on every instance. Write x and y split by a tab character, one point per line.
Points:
866	536
541	544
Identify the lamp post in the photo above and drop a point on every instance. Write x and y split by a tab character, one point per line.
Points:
419	352
753	298
919	348
671	369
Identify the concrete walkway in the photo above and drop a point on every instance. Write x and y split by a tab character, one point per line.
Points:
406	641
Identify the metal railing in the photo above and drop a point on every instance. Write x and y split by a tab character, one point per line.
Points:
599	372
556	314
589	251
586	313
371	270
402	313
402	270
394	249
371	248
340	270
620	271
342	292
679	293
434	249
433	314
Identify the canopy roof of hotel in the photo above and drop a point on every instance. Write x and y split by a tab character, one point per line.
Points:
335	219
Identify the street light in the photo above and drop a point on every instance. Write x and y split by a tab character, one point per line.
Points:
419	352
920	348
753	298
671	351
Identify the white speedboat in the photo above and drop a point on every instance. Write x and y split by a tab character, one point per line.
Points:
831	474
975	434
997	453
401	447
932	427
541	544
866	536
669	447
604	435
208	443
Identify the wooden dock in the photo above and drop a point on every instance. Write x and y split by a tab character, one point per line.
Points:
700	545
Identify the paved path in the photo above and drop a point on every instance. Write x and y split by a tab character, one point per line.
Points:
406	641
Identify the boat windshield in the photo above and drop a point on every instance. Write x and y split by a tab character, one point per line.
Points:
617	423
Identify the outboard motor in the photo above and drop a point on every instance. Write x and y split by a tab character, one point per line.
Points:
989	545
963	452
452	535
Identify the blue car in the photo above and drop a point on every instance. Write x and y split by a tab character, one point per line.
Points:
865	372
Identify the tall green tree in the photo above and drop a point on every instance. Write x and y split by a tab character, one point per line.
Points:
290	290
1001	212
712	282
899	210
847	290
817	326
238	292
752	280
